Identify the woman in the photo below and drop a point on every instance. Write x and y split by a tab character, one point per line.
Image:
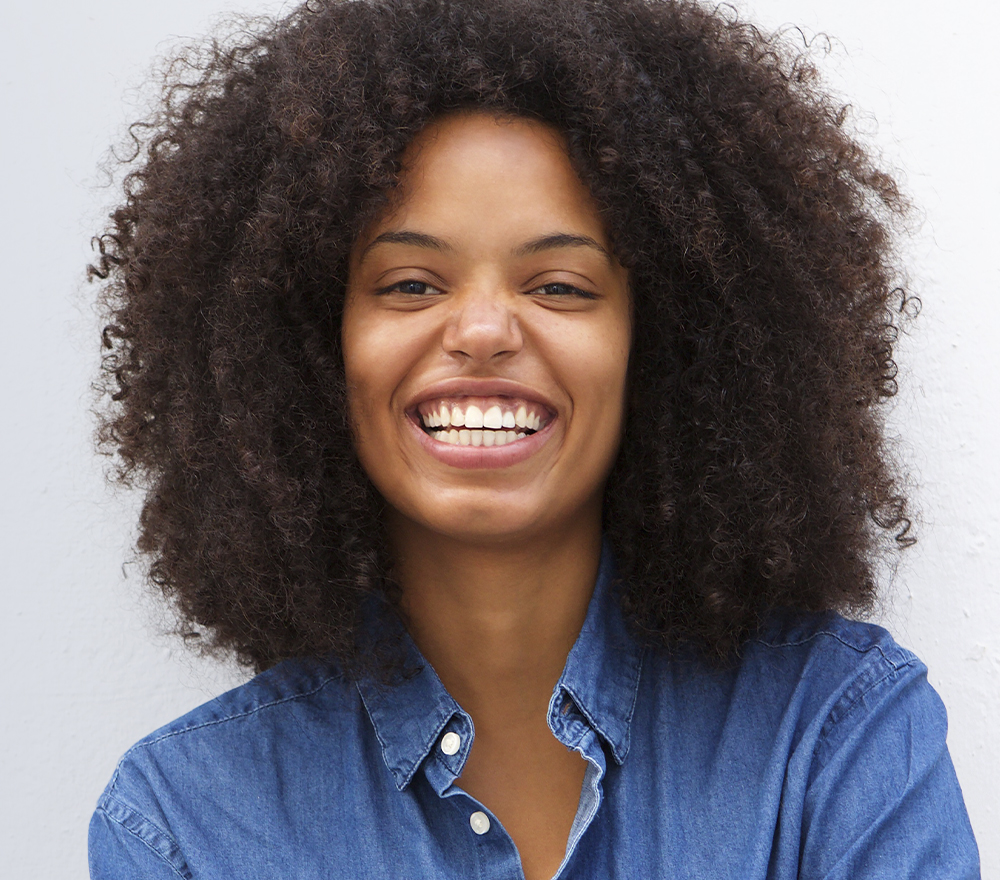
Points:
506	379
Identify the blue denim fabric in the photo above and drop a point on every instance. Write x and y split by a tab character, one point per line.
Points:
821	755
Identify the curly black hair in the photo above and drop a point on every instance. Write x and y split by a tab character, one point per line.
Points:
754	472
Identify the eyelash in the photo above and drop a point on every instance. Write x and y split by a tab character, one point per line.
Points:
408	282
566	289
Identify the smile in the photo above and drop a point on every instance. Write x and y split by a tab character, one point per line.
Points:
488	421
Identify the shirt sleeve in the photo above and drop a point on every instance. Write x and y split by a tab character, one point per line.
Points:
124	845
884	801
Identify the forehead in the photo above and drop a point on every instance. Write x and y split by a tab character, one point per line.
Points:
475	173
471	137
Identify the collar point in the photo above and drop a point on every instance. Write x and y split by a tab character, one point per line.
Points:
401	779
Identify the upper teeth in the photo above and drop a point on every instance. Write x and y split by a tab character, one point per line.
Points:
470	416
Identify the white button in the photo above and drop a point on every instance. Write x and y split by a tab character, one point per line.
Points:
451	743
480	822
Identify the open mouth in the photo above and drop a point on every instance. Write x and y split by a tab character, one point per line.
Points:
486	421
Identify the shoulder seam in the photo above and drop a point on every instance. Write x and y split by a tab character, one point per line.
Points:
874	646
186	875
233	717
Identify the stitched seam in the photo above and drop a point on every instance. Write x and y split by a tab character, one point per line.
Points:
381	741
410	766
427	750
626	722
585	728
583	734
846	644
583	710
838	712
237	715
627	744
597	728
635	687
142	839
146	743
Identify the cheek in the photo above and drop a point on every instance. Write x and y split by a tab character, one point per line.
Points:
380	350
605	366
355	367
367	401
364	373
596	362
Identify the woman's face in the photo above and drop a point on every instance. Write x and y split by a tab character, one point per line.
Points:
486	336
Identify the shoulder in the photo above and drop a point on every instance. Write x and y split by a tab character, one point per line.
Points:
279	754
836	668
826	730
849	703
870	774
822	653
829	635
828	652
799	687
303	705
835	675
270	701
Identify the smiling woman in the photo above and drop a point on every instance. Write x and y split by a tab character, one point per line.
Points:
507	381
488	294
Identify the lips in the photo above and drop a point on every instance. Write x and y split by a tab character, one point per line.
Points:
482	423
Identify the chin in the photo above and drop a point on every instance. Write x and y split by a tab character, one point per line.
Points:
484	522
487	527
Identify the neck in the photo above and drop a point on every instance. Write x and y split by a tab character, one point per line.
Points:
497	621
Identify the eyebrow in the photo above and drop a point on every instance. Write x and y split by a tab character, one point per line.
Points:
417	239
560	240
535	246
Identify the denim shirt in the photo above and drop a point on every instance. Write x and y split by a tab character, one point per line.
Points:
821	754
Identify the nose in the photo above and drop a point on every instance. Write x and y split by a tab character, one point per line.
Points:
483	326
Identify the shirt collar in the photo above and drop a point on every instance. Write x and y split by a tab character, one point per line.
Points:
601	677
409	714
602	671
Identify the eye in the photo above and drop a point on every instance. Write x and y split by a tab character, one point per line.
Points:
410	287
560	289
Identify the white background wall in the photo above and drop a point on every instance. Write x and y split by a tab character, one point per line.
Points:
85	672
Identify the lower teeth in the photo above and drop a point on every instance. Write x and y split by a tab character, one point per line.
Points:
477	437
